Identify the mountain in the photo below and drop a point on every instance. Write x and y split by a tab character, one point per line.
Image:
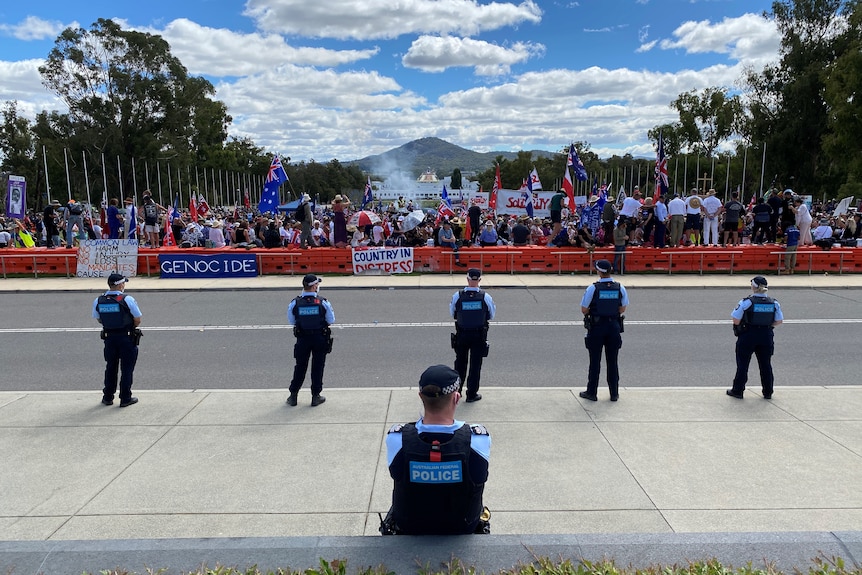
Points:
439	155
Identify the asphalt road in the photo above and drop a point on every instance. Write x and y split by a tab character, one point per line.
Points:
240	340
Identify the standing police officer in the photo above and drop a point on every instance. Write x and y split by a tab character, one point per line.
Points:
120	317
603	304
310	316
753	321
439	465
472	309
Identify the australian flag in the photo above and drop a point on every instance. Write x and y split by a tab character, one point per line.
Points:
367	198
274	178
660	169
574	162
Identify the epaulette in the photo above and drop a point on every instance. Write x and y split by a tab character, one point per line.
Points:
396	428
479	430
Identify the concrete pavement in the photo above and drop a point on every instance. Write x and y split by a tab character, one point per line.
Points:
665	474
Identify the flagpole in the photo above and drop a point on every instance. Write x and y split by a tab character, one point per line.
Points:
120	179
147	175
134	184
727	179
104	182
47	181
744	166
68	181
159	181
87	183
685	176
170	185
180	185
762	168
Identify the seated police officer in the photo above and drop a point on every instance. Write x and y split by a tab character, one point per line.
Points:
439	465
603	304
753	320
120	317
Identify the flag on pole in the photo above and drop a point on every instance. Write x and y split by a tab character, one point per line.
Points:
528	202
274	178
193	207
568	185
245	200
498	185
444	211
534	185
661	181
445	197
133	223
103	216
367	198
173	212
203	206
574	162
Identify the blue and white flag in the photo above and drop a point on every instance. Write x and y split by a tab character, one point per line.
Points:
528	202
445	197
274	178
133	223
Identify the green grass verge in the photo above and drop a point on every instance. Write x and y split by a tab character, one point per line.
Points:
541	566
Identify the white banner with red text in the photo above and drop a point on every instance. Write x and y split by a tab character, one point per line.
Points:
513	202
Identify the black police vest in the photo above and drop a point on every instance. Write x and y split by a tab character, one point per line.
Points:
607	300
761	312
435	493
114	313
310	314
471	311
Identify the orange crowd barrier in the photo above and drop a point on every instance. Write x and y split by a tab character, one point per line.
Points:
501	259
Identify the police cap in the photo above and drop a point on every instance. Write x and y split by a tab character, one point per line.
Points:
759	281
604	266
116	279
474	274
310	280
439	380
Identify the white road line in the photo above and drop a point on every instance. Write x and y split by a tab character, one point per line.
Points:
381	325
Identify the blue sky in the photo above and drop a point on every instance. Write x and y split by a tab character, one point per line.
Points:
349	78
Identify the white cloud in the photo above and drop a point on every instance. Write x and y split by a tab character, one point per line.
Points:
647	47
643	34
749	37
368	114
23	84
374	19
220	52
34	28
435	54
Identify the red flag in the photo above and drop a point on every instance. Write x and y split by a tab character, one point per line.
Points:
492	201
468	231
569	188
246	201
103	220
203	206
169	240
193	208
